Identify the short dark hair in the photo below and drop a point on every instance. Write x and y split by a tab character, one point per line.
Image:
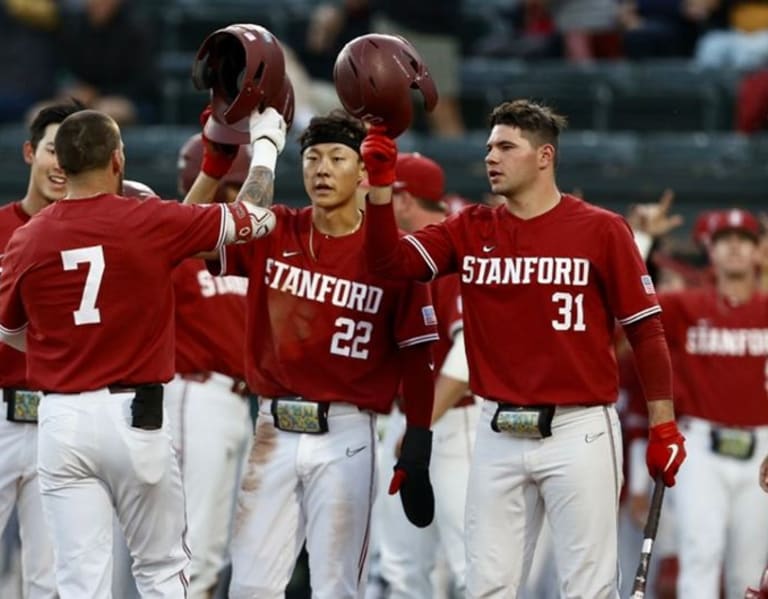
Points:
85	141
336	127
540	123
50	115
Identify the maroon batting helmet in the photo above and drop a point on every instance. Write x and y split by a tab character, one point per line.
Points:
243	66
374	75
238	133
191	157
137	189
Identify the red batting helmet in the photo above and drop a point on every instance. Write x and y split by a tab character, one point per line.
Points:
238	133
137	189
191	157
243	66
374	75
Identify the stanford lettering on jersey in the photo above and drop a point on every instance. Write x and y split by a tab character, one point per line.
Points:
704	340
211	286
524	270
323	288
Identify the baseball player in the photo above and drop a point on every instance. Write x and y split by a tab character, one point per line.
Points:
327	345
207	402
92	308
408	553
717	337
544	278
18	431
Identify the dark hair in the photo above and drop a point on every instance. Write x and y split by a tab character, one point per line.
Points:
50	115
541	124
336	127
85	141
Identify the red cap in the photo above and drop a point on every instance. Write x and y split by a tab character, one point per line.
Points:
735	219
421	177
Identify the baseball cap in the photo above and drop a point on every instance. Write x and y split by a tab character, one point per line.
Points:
421	177
735	219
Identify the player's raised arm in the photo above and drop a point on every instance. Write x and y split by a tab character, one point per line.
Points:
413	257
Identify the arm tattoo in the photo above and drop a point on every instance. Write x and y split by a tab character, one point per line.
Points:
259	187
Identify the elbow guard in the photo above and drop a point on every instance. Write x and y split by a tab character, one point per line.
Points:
246	221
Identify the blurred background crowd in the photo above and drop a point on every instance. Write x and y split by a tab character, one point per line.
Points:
659	93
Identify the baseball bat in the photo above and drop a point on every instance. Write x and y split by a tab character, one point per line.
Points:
649	534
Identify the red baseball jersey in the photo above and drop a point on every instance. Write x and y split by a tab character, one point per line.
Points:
210	320
319	324
446	297
541	297
719	352
90	279
13	363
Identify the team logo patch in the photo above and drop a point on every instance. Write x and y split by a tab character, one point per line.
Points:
428	314
648	284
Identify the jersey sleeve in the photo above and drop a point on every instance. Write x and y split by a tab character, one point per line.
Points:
13	315
234	259
422	256
415	319
435	245
628	286
187	229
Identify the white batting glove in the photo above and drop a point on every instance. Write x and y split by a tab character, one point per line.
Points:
270	125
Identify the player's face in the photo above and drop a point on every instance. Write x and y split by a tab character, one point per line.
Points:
512	162
733	254
47	178
332	173
401	208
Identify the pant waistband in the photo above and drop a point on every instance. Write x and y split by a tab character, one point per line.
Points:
235	385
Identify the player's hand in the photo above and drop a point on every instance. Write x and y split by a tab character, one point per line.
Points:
764	474
217	157
762	593
268	124
655	219
665	452
379	154
411	477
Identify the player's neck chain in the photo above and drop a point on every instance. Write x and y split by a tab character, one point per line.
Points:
312	252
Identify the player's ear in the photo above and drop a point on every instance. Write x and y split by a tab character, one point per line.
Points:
546	155
117	161
28	152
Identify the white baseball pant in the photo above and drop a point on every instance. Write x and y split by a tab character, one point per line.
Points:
19	487
303	486
572	477
722	517
93	463
211	427
408	553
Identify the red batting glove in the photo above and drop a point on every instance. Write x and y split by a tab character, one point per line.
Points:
379	154
217	158
666	451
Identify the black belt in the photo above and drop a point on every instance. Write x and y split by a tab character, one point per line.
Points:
110	388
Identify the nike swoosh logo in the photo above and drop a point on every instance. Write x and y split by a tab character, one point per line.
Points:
289	254
673	450
351	452
488	248
589	438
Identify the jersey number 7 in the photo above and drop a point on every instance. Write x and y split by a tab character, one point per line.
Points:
93	256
